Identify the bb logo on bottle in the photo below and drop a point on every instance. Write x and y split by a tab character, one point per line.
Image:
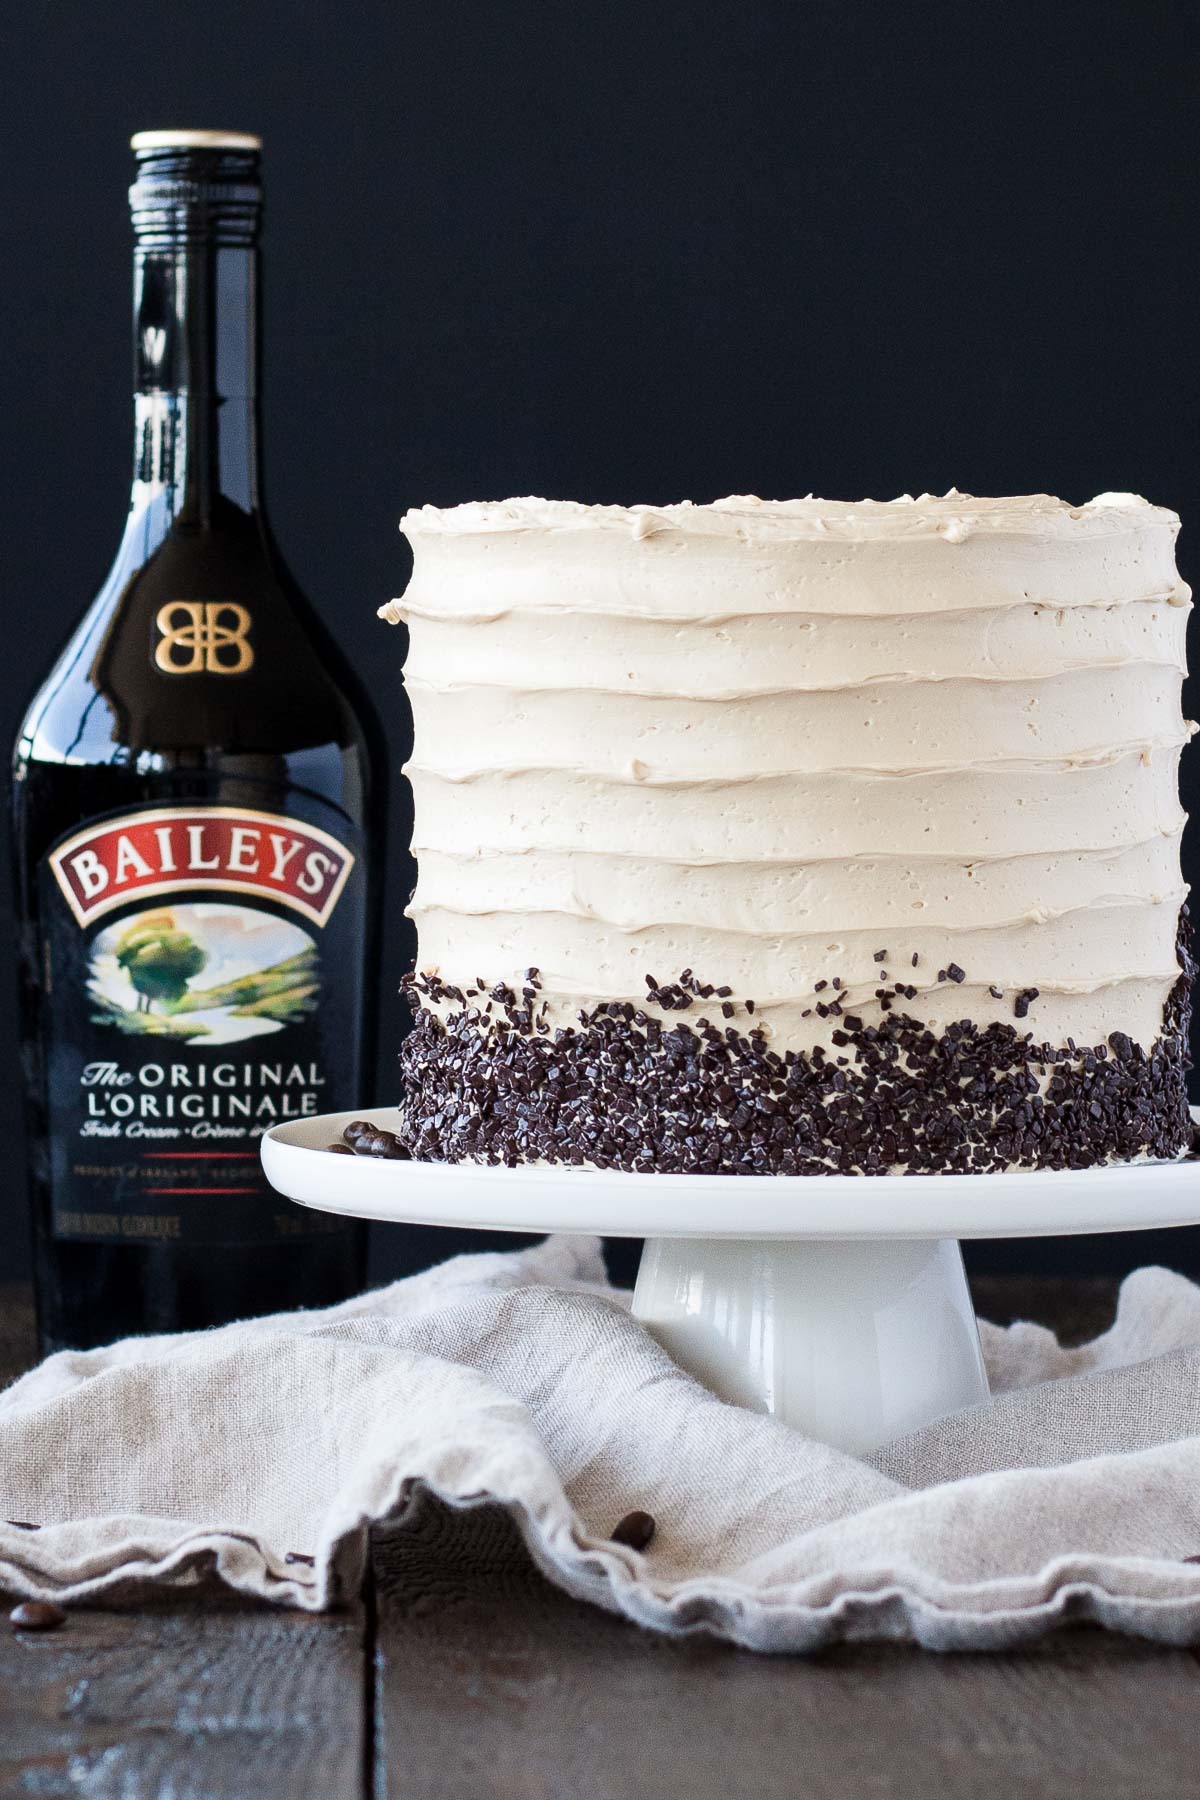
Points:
203	637
144	855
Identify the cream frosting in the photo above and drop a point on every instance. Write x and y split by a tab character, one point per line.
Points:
766	739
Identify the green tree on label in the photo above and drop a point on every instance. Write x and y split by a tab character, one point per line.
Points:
159	960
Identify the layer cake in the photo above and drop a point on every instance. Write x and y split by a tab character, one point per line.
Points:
797	837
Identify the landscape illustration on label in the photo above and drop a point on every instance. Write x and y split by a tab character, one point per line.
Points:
205	972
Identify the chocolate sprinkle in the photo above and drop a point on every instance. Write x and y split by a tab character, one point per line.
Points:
616	1093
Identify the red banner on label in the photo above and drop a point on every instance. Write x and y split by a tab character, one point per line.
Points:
222	847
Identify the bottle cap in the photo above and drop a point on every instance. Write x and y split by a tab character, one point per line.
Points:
194	140
196	186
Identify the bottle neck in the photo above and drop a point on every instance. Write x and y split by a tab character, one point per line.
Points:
196	378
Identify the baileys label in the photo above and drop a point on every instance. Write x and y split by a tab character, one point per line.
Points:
222	847
202	983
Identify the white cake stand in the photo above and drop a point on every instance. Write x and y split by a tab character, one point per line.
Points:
838	1303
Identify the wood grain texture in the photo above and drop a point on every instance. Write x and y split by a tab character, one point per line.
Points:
194	1700
490	1682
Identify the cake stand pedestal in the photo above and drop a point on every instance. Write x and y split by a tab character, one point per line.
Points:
837	1303
852	1342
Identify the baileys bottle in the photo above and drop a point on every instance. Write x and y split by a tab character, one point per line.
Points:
197	825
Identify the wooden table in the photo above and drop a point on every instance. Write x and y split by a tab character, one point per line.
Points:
463	1675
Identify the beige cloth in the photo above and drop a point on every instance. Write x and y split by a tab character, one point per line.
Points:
523	1379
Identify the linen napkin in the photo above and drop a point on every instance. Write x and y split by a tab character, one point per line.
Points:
523	1380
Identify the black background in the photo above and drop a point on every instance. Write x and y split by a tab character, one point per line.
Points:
614	253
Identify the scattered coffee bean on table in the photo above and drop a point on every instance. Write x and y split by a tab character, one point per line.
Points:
635	1529
36	1615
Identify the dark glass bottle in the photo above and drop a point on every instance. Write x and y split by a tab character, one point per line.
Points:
197	817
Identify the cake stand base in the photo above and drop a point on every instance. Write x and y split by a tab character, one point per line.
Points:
853	1343
837	1303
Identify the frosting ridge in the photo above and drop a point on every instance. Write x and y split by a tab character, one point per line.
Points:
765	739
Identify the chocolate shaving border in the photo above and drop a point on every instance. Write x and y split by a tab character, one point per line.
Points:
493	1082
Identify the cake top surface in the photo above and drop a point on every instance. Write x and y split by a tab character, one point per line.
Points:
952	516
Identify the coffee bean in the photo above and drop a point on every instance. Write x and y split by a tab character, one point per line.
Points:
36	1615
636	1529
340	1149
366	1139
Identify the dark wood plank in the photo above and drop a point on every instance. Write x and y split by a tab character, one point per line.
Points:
490	1682
205	1695
200	1698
